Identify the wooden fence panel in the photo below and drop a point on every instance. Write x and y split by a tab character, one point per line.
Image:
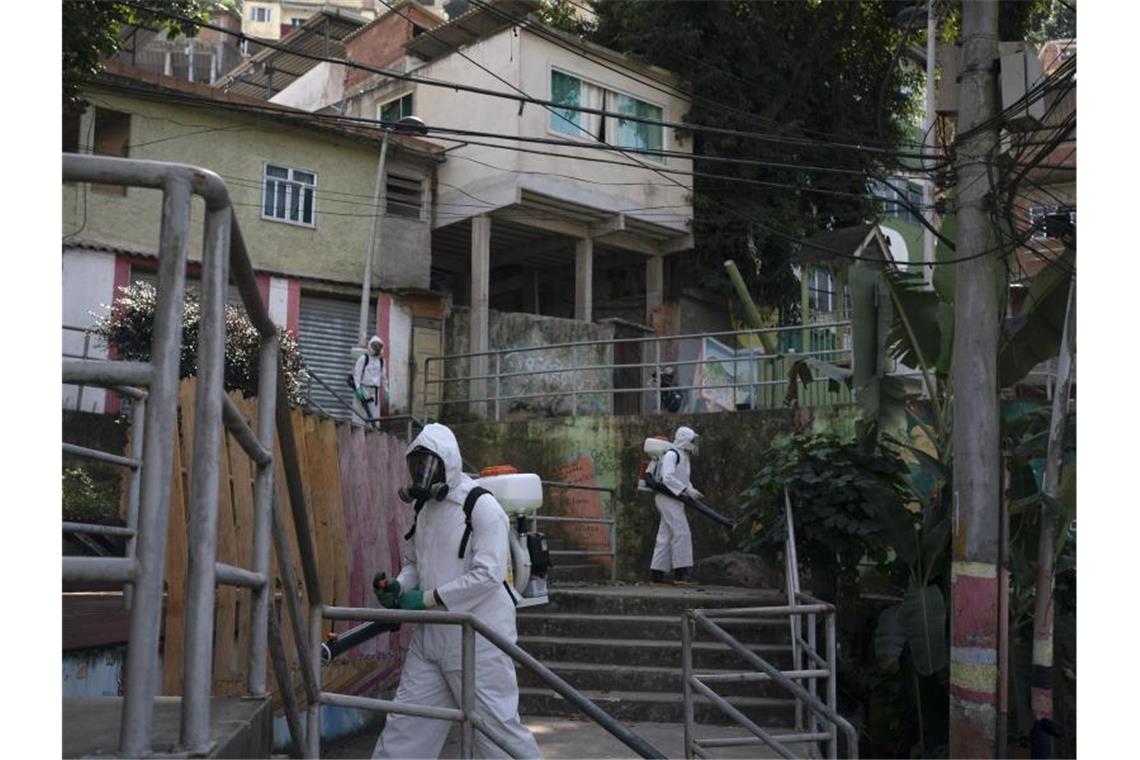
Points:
357	522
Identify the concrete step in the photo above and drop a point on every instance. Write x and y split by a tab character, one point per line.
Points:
645	678
536	621
643	599
658	708
651	652
586	572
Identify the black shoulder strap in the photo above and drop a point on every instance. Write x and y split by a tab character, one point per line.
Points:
469	505
412	531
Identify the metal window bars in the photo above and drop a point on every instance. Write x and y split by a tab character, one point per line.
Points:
155	424
816	720
482	379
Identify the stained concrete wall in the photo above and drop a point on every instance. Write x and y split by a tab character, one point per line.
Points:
549	391
607	451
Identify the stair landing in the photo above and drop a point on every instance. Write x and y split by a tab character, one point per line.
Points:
239	726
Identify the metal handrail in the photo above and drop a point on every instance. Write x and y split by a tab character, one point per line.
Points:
225	256
487	372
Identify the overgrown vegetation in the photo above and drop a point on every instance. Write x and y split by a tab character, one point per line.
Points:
90	492
129	328
860	522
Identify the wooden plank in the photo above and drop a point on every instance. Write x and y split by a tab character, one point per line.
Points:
315	473
225	612
176	554
336	511
241	470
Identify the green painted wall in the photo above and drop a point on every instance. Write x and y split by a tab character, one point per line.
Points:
607	451
237	146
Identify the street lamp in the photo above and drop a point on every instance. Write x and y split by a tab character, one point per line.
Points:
406	125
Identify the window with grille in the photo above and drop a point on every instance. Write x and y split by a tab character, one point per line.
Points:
821	290
289	195
405	196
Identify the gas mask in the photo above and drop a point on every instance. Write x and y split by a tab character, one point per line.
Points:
428	477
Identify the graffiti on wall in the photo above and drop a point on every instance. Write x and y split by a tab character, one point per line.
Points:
573	502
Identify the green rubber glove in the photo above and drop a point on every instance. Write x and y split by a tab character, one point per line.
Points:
412	599
360	395
387	591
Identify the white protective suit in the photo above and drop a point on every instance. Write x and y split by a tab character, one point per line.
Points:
368	373
674	545
475	584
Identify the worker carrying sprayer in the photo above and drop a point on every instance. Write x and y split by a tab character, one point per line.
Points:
457	563
369	382
668	477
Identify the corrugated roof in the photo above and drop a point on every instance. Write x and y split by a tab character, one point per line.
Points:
271	70
475	24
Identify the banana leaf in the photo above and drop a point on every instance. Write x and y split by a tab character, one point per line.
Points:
889	637
923	618
1034	336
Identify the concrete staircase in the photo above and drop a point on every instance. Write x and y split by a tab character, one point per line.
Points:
621	646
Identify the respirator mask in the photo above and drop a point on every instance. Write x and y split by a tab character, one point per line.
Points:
428	477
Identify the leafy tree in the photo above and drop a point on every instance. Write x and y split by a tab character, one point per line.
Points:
821	72
129	328
92	33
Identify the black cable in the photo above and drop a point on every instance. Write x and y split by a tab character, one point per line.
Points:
454	86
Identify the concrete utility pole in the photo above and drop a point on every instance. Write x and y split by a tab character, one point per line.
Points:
977	461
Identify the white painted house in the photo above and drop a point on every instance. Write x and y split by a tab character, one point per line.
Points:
526	226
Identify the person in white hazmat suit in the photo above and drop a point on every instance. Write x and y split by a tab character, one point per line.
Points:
673	550
370	381
433	576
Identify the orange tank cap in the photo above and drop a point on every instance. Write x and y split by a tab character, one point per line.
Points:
499	469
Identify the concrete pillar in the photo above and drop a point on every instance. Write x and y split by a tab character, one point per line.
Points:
480	297
654	284
584	280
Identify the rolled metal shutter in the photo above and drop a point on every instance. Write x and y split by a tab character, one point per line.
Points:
327	331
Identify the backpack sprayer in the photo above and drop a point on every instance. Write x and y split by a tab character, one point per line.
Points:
657	447
520	495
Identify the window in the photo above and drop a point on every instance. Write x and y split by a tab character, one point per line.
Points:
636	134
821	290
572	94
112	138
405	196
899	197
260	15
566	90
295	21
289	195
1052	222
394	110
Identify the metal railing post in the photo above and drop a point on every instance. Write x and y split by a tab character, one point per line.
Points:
833	743
313	718
138	432
263	513
657	372
574	387
154	499
686	676
198	660
467	730
813	721
79	390
498	382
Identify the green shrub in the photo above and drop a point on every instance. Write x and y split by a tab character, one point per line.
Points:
129	328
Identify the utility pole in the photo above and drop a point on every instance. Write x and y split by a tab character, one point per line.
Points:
977	461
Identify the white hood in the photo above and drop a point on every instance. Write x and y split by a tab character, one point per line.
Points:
684	438
440	440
